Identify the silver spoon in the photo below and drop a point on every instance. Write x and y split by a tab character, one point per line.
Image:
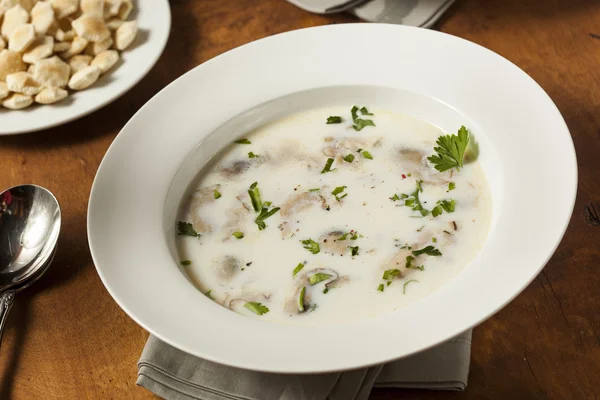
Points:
29	226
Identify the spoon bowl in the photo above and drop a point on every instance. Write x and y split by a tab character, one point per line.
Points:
30	220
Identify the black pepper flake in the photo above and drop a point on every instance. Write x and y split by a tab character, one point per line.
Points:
454	224
249	264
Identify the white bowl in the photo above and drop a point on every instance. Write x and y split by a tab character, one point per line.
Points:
154	24
526	152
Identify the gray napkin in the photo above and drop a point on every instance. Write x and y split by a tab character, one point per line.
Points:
423	13
174	375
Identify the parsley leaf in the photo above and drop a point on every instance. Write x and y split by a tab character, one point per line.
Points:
359	124
413	200
311	246
354	250
216	194
447	205
450	150
255	199
256	308
443	205
367	155
353	236
242	141
328	165
409	265
298	269
429	250
301	299
318	277
337	191
354	111
186	228
238	235
451	186
334	120
252	155
389	274
380	287
185	263
349	158
364	111
264	214
406	283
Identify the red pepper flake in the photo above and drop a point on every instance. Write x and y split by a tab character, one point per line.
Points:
403	176
7	198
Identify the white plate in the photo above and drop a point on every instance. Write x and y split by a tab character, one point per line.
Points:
526	151
154	24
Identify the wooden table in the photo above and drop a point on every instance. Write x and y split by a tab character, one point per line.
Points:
67	339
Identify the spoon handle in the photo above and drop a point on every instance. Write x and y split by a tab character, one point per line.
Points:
6	302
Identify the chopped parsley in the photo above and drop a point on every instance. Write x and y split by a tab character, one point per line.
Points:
255	199
450	150
406	283
318	277
395	198
354	112
338	190
429	250
264	214
451	186
314	190
242	141
328	165
326	290
252	155
443	205
238	235
381	287
334	120
301	299
359	124
364	111
413	200
256	308
367	155
216	194
354	250
434	240
207	294
447	205
186	228
349	158
389	274
353	236
298	269
409	265
185	263
311	246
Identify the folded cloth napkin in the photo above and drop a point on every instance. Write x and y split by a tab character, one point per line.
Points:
423	13
175	375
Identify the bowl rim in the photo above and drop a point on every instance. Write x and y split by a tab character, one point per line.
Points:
418	43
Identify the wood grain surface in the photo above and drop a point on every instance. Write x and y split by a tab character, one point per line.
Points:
67	339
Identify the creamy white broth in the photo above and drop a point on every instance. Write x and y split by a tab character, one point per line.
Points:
291	153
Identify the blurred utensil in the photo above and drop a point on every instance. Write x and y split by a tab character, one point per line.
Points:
30	221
